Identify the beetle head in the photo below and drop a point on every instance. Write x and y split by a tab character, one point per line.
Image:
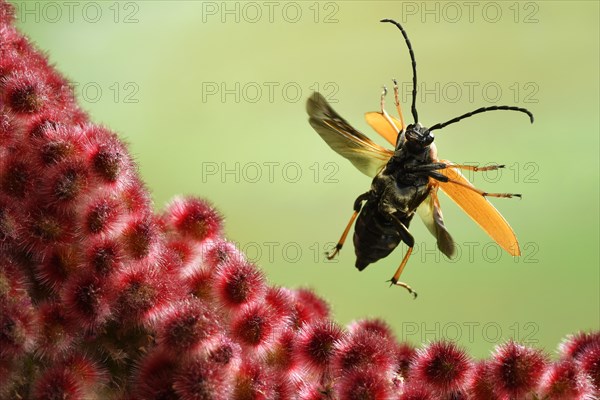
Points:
418	137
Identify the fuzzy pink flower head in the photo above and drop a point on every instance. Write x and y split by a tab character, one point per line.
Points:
404	355
194	218
183	253
309	306
564	380
143	293
314	391
280	355
186	325
19	321
574	345
284	388
303	314
224	351
155	375
85	370
101	215
18	326
171	260
18	177
199	283
375	325
65	185
238	282
216	252
253	382
56	334
6	13
25	92
58	383
316	344
254	326
107	157
104	257
481	386
45	229
59	265
441	366
589	362
282	302
516	369
199	378
135	197
108	161
53	142
87	299
412	391
10	59
140	237
363	348
363	384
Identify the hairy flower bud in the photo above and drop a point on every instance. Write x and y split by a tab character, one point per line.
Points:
194	218
143	292
363	348
574	345
186	325
564	380
155	376
254	326
25	92
316	344
253	381
18	326
416	392
87	300
481	386
441	366
238	283
140	237
589	362
101	215
363	383
200	378
515	369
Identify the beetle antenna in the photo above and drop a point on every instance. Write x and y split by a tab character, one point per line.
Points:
414	67
482	110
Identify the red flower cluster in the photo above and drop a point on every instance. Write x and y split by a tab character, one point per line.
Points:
101	298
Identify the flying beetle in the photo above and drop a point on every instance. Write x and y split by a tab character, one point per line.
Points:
406	180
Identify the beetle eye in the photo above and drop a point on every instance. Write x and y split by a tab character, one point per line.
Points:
429	137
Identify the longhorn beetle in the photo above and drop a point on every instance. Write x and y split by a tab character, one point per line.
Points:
406	180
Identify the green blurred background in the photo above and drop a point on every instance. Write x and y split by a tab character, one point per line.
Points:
210	97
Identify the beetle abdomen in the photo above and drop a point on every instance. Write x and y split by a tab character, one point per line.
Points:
375	236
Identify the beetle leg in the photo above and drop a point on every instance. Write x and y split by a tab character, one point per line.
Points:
385	113
441	165
410	241
475	168
397	102
357	207
444	178
394	280
426	167
382	99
